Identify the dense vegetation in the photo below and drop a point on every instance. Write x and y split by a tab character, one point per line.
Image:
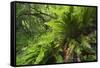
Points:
47	34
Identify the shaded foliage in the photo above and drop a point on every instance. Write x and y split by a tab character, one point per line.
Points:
47	34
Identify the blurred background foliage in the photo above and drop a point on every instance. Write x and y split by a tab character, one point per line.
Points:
47	34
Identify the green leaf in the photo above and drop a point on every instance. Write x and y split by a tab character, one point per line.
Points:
40	56
59	59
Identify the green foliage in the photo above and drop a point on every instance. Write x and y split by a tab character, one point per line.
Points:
47	34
